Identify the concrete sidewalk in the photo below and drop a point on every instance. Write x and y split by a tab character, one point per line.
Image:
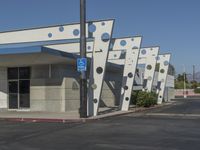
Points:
72	116
39	116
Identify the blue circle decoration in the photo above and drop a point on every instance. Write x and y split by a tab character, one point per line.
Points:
122	42
105	37
76	32
50	35
61	28
166	63
143	51
92	28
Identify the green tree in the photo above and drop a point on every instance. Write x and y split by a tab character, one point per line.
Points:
180	77
194	84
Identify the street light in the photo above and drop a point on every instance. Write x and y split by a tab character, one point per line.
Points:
184	82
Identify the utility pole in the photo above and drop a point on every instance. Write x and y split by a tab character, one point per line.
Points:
184	82
83	77
193	73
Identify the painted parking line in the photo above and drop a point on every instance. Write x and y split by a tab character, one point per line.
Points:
173	115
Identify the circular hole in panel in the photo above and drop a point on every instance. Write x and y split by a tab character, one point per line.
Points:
50	35
92	28
95	100
105	37
115	55
157	58
166	63
89	47
160	96
125	87
99	70
76	32
149	78
103	23
126	98
122	42
162	70
149	67
94	86
132	39
130	75
61	28
143	51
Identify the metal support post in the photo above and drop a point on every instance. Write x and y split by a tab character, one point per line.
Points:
83	77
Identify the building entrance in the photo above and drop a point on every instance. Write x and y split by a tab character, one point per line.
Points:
19	87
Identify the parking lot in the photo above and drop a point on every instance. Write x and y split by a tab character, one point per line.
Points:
167	128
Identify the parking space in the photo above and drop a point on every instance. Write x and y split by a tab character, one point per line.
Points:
133	131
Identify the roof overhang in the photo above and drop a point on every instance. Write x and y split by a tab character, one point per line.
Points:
28	56
37	55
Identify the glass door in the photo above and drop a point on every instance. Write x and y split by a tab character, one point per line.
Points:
19	87
13	94
24	93
24	87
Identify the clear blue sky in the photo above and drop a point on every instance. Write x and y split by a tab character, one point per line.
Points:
174	25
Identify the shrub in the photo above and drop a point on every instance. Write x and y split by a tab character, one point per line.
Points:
197	90
143	98
134	96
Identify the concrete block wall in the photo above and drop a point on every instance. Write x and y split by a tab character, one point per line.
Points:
169	94
111	89
70	86
45	97
71	94
3	88
58	92
169	90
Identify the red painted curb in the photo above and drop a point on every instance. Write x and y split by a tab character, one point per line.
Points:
43	120
81	120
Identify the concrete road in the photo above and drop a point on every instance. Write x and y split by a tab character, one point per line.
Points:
175	127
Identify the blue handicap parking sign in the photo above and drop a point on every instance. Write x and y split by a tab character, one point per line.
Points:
81	64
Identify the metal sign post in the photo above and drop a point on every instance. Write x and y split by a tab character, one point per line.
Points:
83	77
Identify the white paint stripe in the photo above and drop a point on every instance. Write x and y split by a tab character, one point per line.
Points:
172	114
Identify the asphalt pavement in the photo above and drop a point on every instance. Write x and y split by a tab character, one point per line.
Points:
173	127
